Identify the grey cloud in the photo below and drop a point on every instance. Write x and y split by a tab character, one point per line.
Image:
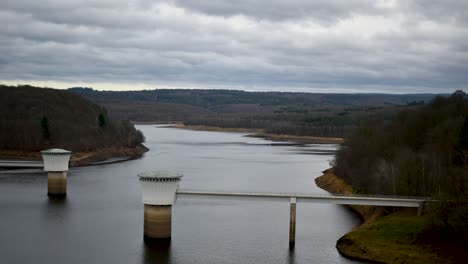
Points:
452	11
322	11
268	44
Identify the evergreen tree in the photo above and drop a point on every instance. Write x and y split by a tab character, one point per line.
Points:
45	127
102	120
463	142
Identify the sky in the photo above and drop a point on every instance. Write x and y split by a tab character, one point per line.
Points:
390	46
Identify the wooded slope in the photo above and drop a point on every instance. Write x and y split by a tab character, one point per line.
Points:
305	114
422	152
38	118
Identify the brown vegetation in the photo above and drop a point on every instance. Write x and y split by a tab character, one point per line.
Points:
213	128
34	119
301	139
298	114
259	133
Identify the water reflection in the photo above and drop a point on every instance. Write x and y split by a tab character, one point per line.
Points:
57	201
291	256
157	253
55	210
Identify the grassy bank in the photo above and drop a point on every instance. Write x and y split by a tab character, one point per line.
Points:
400	237
395	238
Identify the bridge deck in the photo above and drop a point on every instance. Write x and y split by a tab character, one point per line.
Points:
304	198
21	164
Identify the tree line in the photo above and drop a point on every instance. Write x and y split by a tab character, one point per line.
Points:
303	114
420	152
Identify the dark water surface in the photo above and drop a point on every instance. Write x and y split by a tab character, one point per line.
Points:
101	220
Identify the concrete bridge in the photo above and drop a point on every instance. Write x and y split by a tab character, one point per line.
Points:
294	198
21	164
396	201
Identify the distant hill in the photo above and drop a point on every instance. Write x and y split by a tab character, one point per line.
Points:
34	118
210	99
276	112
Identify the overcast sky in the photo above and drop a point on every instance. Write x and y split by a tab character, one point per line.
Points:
292	45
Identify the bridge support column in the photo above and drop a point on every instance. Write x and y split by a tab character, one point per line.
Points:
292	222
421	208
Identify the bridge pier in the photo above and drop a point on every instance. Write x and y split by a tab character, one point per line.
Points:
421	208
292	222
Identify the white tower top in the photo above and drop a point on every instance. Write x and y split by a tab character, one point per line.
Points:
56	159
159	187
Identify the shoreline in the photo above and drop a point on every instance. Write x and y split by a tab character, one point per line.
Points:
383	238
84	158
259	133
214	128
333	184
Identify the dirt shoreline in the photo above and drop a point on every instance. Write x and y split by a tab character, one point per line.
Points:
83	158
333	184
259	133
214	128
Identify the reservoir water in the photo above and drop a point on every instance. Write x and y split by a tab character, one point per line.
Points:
101	220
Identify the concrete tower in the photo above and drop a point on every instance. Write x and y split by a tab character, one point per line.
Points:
159	194
56	164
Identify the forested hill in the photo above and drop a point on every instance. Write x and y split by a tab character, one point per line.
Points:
211	98
276	112
422	152
34	118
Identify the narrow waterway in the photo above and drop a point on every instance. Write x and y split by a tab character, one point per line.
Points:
101	220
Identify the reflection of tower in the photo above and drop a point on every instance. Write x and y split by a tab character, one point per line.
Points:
56	164
159	194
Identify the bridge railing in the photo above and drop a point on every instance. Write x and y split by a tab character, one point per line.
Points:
300	194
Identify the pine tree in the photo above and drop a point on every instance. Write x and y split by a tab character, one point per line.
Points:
45	127
102	120
463	142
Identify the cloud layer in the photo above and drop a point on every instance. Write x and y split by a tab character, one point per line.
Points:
295	45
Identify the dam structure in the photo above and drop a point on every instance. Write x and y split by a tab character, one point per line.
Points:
56	164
